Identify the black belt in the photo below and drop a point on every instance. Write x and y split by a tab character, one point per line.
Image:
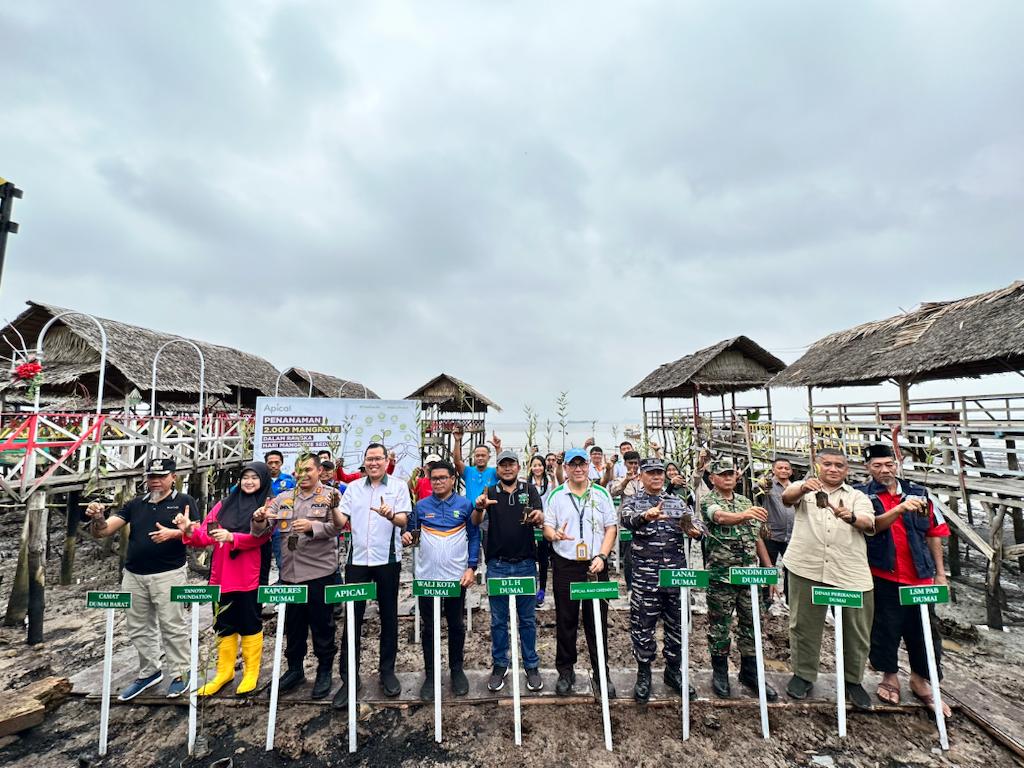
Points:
512	560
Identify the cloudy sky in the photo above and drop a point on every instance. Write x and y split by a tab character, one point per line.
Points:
534	197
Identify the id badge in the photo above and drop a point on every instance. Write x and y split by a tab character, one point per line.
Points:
581	551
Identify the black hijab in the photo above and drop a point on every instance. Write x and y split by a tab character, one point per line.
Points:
237	507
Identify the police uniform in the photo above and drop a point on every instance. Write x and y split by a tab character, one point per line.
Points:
656	544
730	546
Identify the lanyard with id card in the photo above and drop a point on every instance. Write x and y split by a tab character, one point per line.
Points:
581	546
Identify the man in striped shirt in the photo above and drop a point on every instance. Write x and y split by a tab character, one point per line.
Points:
449	550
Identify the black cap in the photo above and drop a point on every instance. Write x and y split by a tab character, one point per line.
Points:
652	465
161	467
878	451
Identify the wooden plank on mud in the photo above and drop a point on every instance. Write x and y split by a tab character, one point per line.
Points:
27	707
996	715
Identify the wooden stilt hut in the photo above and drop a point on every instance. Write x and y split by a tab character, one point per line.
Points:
325	385
449	402
726	368
967	338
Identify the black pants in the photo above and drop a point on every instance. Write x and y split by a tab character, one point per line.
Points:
894	622
266	556
386	577
627	563
314	618
543	560
775	550
567	614
238	613
452	608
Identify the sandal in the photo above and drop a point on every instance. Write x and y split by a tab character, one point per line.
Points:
888	694
929	701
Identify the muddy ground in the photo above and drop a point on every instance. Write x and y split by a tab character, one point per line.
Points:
476	735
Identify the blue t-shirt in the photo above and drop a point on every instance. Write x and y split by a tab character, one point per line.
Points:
477	480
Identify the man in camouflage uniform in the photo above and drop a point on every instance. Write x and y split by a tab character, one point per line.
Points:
734	541
660	523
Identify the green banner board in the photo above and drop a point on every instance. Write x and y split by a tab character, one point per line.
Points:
748	576
625	534
283	593
108	599
519	585
924	595
842	598
198	593
593	590
683	577
350	593
434	588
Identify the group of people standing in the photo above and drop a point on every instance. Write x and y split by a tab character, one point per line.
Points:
560	516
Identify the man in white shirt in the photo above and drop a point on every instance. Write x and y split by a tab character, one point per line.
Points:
377	507
581	522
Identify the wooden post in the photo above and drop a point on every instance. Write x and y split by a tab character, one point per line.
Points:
904	385
37	517
17	603
768	401
67	561
810	426
993	609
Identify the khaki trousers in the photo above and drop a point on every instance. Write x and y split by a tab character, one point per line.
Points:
153	616
807	621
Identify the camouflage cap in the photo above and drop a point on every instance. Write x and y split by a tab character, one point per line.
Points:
722	465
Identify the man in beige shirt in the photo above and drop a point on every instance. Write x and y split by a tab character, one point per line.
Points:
828	550
309	520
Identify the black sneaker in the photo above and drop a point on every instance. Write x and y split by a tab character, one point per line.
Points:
392	687
497	679
566	680
798	688
856	695
293	678
533	680
340	700
321	683
595	679
427	689
460	684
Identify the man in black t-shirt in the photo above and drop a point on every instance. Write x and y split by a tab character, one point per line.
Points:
154	563
513	510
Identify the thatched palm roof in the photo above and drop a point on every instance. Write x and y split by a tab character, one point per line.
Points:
72	354
325	385
968	337
452	394
731	365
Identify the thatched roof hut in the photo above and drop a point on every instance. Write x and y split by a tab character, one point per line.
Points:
72	355
969	337
325	385
731	365
453	395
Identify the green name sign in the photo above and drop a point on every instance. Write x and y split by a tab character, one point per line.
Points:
283	593
924	595
350	593
748	576
683	577
843	598
200	593
108	599
625	534
519	585
593	590
434	588
538	535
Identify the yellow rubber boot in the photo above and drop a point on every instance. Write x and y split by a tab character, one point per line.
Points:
252	653
227	650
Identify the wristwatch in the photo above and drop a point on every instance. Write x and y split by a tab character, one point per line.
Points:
603	556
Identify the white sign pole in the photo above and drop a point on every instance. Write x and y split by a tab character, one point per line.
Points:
193	678
353	673
437	669
840	671
274	680
684	664
933	676
469	615
108	653
762	697
416	603
513	614
603	675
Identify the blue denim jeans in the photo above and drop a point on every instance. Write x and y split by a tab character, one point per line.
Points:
526	608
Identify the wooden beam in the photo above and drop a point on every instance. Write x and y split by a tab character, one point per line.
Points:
965	530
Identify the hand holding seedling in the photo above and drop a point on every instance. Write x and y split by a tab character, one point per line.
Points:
222	536
95	510
302	525
757	513
812	485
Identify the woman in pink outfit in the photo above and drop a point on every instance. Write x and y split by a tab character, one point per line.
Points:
236	569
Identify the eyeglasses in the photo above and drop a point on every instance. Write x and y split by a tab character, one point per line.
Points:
440	479
577	464
373	459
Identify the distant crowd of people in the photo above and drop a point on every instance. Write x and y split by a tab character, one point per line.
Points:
560	513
